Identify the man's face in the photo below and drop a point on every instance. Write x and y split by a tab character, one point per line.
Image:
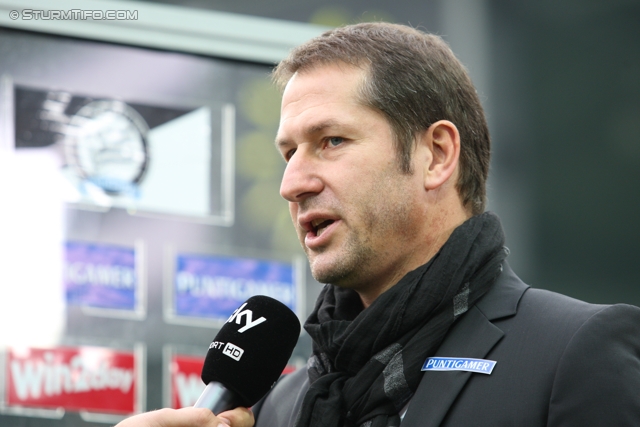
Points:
357	216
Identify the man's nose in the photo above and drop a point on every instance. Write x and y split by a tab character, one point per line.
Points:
301	178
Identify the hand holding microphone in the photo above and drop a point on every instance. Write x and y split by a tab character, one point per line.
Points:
190	417
244	361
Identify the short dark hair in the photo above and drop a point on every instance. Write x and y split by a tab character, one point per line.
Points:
414	80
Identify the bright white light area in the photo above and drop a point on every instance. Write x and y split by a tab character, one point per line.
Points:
32	300
178	178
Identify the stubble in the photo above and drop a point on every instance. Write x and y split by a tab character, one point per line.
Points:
382	224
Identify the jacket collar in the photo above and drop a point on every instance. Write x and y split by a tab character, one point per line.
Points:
473	335
503	298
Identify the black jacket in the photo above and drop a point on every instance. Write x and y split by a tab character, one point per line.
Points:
559	362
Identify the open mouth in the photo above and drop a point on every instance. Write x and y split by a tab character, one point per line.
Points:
319	225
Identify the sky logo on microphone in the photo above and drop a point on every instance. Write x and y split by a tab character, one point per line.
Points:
248	315
232	351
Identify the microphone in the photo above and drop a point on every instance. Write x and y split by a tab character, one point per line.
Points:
248	355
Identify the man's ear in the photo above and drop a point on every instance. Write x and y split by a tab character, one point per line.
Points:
441	145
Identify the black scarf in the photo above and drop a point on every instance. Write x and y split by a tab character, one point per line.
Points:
366	364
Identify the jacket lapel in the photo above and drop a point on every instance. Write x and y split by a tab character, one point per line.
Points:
472	336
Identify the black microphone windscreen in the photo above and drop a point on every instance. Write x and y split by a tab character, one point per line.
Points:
252	348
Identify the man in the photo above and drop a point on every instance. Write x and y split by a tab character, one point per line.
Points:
387	153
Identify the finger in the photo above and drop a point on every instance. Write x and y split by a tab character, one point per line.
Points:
185	417
238	417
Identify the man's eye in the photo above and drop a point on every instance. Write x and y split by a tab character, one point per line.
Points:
289	154
335	141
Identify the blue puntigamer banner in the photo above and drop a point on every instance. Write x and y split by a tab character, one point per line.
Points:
212	287
100	276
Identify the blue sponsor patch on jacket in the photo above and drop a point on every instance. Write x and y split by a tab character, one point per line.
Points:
480	366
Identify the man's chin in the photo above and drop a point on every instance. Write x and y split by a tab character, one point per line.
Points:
335	273
323	273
